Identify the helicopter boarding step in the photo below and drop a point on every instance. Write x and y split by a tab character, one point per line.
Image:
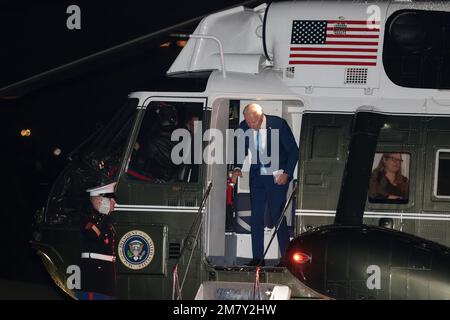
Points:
223	290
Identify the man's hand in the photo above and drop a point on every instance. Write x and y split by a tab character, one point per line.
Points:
282	179
235	174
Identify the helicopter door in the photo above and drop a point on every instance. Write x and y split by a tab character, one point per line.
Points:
324	143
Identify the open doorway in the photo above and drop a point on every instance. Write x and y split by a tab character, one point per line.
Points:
228	235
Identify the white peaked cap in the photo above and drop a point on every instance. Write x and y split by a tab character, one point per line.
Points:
96	191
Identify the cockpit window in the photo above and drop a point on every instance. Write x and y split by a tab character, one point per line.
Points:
417	49
164	149
104	151
389	182
98	160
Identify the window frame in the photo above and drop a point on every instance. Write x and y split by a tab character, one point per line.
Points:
142	109
388	42
394	202
436	175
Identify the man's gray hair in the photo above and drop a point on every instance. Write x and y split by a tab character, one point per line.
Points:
254	105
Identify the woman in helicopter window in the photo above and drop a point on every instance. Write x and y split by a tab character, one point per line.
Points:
387	182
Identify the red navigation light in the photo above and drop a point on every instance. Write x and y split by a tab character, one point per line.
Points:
300	257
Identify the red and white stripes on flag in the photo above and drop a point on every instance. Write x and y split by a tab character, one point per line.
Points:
334	42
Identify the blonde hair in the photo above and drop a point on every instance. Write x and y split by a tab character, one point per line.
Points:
400	180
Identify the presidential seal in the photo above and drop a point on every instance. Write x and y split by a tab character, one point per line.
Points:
136	249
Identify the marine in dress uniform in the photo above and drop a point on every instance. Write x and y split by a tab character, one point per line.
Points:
98	259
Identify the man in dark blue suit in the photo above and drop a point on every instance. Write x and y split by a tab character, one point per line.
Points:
270	173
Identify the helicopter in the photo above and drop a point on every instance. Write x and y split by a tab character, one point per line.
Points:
315	65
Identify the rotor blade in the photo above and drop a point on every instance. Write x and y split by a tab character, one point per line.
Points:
358	168
68	70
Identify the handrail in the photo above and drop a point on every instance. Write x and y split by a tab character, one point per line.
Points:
201	36
198	219
294	191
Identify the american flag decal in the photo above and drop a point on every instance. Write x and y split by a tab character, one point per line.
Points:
334	42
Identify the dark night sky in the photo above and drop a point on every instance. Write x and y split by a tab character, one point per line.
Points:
61	113
37	39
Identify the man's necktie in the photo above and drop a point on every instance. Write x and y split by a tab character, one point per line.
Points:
258	140
259	151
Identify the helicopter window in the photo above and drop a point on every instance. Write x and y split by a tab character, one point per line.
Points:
417	49
442	174
389	182
100	156
107	147
164	149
